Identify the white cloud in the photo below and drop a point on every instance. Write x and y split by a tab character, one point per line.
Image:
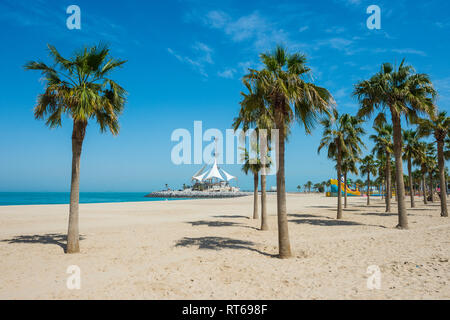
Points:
217	19
409	51
199	62
303	29
442	25
228	73
350	2
244	66
336	30
205	52
342	93
340	44
262	32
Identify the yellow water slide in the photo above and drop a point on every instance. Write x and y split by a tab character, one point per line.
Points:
350	192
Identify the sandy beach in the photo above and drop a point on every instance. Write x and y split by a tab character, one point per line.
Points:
209	249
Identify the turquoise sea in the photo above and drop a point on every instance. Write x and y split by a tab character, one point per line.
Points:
33	198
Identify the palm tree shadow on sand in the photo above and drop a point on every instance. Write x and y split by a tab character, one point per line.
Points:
50	238
219	243
304	216
219	224
232	217
325	221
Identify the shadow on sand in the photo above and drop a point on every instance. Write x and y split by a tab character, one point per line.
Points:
422	209
304	216
219	243
325	221
322	207
328	223
232	217
50	238
219	224
380	214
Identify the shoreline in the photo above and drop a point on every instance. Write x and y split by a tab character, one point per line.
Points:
97	203
197	194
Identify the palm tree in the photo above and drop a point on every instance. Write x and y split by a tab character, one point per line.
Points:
438	125
254	166
255	114
368	167
379	181
348	166
447	148
342	136
447	157
419	160
317	187
417	180
359	183
299	188
79	87
309	184
430	165
410	145
328	184
405	93
323	186
383	149
424	159
381	171
290	97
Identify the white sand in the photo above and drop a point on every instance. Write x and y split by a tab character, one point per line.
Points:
130	251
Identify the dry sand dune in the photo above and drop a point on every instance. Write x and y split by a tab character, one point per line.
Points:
209	249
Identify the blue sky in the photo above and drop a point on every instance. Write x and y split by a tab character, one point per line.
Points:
185	62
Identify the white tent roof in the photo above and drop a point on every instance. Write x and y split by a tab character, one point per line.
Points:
199	174
199	177
228	176
214	172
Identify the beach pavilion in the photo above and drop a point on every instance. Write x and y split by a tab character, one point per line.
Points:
213	178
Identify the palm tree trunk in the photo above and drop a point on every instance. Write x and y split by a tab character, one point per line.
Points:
441	163
402	215
345	190
368	188
424	187
264	225
73	235
430	174
419	187
411	184
395	188
283	231
388	182
255	195
339	159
